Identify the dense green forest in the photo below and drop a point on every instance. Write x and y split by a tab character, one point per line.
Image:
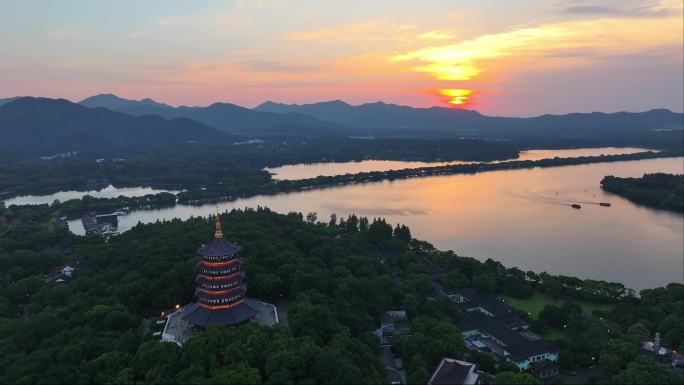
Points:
340	276
663	191
191	166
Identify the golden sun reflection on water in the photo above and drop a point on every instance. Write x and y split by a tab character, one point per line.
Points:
519	217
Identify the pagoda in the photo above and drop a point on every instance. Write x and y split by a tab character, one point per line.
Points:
220	286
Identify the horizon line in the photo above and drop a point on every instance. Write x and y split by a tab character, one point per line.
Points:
332	101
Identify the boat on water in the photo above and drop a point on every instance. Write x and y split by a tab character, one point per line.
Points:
575	206
605	204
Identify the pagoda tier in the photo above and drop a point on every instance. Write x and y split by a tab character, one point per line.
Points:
220	285
218	271
220	298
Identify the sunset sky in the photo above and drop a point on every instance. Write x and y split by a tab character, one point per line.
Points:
501	57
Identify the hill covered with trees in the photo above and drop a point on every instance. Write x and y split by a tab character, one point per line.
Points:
339	276
41	126
663	191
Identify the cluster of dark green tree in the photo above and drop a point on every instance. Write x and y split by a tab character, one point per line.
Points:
663	191
491	277
90	329
336	278
220	165
610	339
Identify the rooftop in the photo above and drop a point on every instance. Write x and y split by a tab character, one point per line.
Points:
491	305
201	316
511	320
218	247
181	323
490	326
389	361
394	322
267	315
531	348
451	371
519	344
176	329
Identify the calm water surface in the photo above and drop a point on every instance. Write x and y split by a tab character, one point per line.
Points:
519	217
107	192
312	170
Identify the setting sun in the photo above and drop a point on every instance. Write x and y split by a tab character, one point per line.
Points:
457	96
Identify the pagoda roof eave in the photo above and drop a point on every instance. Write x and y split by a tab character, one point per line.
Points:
218	247
201	316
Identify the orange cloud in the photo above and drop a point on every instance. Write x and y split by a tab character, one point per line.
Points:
570	44
436	35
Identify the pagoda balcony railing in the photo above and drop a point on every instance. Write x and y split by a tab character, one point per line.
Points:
220	258
219	272
202	278
221	300
221	285
212	265
201	293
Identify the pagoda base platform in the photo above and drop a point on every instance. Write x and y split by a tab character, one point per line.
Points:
249	309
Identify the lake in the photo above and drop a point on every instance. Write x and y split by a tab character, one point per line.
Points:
107	192
312	170
522	218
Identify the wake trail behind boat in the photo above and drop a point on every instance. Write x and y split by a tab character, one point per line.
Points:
584	201
536	197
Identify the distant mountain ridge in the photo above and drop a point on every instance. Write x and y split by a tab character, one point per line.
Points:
337	118
7	100
383	115
114	102
42	125
654	128
223	116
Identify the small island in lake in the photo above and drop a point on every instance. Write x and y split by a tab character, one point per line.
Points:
663	191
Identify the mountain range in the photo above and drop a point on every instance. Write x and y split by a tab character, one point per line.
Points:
42	125
107	121
7	100
382	119
223	116
389	116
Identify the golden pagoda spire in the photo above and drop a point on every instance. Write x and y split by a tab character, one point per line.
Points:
217	224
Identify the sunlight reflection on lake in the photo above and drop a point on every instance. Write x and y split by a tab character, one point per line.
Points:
312	170
107	192
522	218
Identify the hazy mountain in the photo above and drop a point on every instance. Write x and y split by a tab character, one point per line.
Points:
128	106
383	115
7	100
224	116
232	118
337	118
378	115
38	125
654	127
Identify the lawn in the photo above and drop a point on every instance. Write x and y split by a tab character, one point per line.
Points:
555	334
536	303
